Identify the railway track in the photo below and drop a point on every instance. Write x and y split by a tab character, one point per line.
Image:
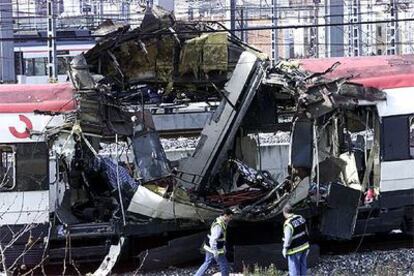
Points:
358	244
367	243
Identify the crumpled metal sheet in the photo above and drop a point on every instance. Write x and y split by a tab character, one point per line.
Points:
215	53
203	54
109	27
110	259
173	55
80	75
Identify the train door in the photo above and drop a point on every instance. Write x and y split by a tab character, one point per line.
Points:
397	141
397	150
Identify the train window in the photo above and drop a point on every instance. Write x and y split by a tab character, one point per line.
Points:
18	63
7	167
28	67
412	136
35	66
395	138
40	65
32	166
61	66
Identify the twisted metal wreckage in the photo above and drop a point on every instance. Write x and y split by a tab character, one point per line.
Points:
334	123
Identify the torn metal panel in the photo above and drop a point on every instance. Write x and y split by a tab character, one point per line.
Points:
156	18
108	27
110	259
339	218
380	72
300	192
98	115
154	205
331	169
302	144
80	75
203	54
173	55
220	134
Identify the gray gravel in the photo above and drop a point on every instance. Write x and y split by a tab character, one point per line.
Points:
183	143
179	143
191	142
392	262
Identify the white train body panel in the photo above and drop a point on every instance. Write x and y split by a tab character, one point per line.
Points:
398	174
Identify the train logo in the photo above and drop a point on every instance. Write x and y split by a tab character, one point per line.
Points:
26	132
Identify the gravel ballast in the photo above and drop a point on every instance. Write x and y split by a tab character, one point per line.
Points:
392	262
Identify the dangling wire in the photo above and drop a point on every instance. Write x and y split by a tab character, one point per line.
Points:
117	180
315	137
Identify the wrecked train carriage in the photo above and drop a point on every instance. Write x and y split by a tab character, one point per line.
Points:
254	99
352	144
196	62
59	184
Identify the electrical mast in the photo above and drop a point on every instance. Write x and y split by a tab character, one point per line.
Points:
51	42
275	50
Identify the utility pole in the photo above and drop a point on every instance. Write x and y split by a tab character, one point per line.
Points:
242	37
393	34
237	20
275	50
7	73
355	29
314	47
232	15
51	42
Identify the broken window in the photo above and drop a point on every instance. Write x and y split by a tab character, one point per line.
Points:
150	156
395	138
7	167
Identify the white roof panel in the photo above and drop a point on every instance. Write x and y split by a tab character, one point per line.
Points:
400	101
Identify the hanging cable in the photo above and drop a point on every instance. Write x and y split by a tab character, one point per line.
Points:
315	137
117	180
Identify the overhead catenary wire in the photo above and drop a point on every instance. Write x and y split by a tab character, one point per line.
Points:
288	7
200	18
254	28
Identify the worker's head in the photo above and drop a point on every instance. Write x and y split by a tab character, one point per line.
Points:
227	214
287	210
